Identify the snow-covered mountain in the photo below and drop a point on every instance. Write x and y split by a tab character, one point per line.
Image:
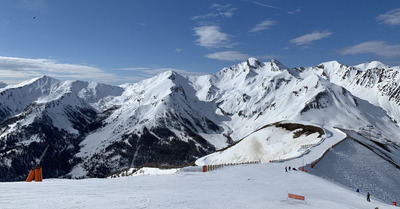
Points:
374	82
95	129
47	111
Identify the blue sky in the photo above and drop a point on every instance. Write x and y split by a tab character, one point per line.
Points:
125	41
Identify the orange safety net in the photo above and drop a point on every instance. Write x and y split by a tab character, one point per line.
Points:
31	175
35	173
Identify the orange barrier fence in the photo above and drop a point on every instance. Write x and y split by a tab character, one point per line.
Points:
297	197
38	174
30	175
35	173
206	168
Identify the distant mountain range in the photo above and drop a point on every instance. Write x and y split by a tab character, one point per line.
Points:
95	129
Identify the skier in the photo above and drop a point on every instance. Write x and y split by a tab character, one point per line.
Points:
368	195
289	168
358	192
285	168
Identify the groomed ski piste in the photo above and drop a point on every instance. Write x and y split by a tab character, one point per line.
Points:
242	186
264	185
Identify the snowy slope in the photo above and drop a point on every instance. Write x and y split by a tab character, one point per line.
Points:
360	163
355	162
272	143
244	186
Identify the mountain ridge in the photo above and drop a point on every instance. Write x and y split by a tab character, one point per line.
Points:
173	120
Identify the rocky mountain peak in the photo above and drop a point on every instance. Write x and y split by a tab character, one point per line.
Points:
278	66
254	63
39	82
371	65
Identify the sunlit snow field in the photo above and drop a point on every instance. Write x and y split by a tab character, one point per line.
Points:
243	186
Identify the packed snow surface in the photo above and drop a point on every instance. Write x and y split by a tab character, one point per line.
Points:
276	144
146	171
244	186
270	143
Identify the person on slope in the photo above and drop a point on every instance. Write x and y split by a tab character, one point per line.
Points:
368	197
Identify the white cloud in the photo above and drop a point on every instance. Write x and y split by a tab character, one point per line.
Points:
238	56
278	8
211	37
14	70
135	68
264	25
218	11
308	38
220	7
228	56
224	10
373	47
294	11
267	5
269	56
149	72
390	18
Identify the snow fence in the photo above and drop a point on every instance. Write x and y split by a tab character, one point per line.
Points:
206	168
